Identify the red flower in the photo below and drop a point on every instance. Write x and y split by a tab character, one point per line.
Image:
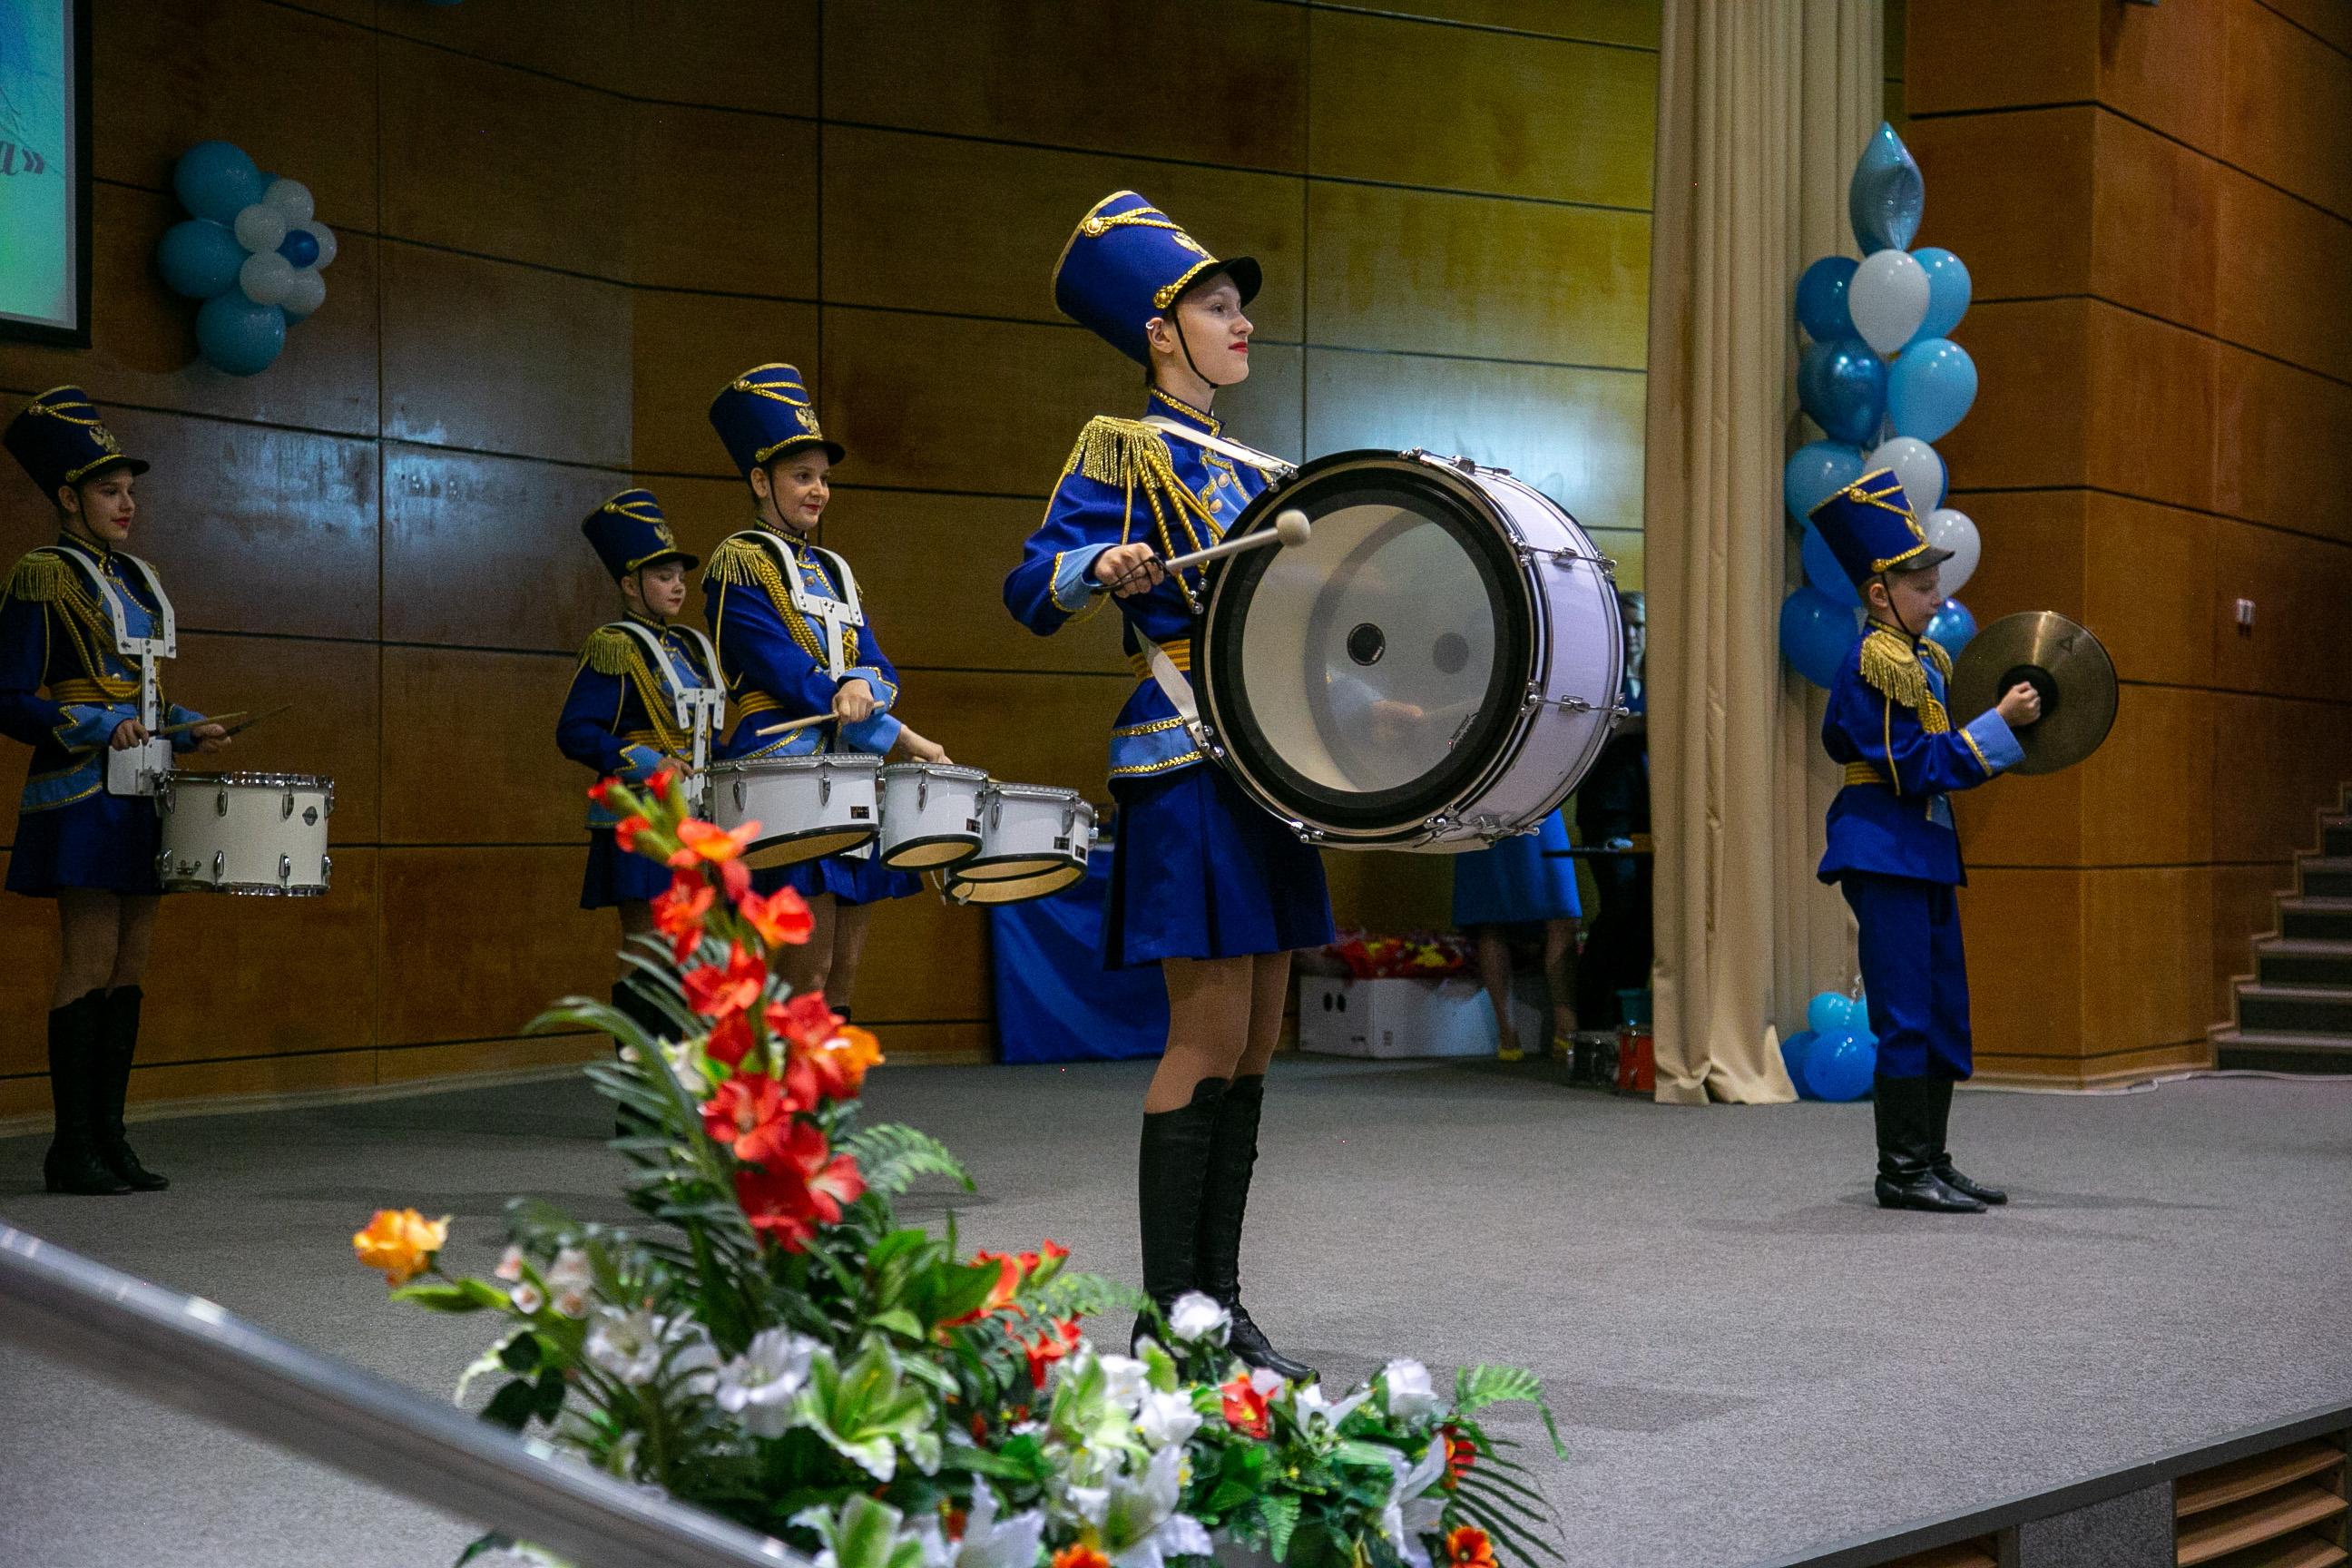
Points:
1050	1347
1046	1262
1460	1454
735	877
1466	1546
799	1185
679	913
840	1063
806	1020
731	1039
1010	1271
714	992
753	1115
1246	1407
1080	1557
626	831
658	785
600	792
699	841
780	917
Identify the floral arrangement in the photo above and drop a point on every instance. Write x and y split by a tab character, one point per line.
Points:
774	1347
1420	955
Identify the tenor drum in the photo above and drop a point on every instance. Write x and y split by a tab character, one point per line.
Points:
807	807
931	815
263	835
1030	833
1010	889
1433	669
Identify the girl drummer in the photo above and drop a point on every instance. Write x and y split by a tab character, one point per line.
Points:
1204	884
79	841
793	642
646	695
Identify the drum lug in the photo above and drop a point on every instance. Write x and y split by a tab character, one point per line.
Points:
326	870
285	870
220	865
1535	699
286	806
1304	834
1530	555
220	804
163	864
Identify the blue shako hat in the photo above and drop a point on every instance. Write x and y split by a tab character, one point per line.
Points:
765	413
1870	527
60	440
629	534
1127	262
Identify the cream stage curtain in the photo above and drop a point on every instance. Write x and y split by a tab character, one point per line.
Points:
1763	106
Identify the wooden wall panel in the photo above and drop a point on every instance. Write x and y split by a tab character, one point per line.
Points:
540	163
2021	821
932	223
2023	932
1985	168
723	200
579	41
410	1064
691	345
1071	74
2154	390
479	940
695	51
2148	943
2329	19
330	729
2284	762
503	358
487	550
2148	793
2278	424
2281	81
1427	273
2300	643
701	512
1632	23
2156	245
925	961
28	968
2163	70
1025	729
1463	109
2287	261
1967	54
1267	411
2030	425
470	751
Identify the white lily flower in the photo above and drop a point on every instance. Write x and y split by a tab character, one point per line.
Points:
1317	1416
758	1387
1167	1418
511	1264
526	1298
989	1543
1125	1380
1407	1515
572	1282
1411	1398
1196	1317
1266	1384
1140	1527
626	1344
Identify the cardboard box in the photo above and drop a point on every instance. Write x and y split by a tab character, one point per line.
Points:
1388	1019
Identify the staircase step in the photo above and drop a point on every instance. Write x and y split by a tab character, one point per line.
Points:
2281	1050
2315	919
2302	1009
2291	962
2327	875
2335	837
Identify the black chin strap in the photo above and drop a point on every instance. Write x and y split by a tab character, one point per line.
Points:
1184	341
1893	610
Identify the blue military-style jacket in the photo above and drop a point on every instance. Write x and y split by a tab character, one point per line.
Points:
1126	482
774	645
620	717
56	633
1887	726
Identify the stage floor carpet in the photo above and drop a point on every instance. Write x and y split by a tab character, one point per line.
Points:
1745	1356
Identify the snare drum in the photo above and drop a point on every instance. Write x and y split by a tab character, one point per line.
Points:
1027	831
931	815
1433	669
1010	889
807	807
264	835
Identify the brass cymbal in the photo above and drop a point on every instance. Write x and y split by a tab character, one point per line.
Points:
2062	661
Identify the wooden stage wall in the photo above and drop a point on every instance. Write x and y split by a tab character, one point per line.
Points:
563	224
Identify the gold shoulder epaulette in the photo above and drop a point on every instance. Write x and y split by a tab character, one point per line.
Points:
1891	666
1121	452
739	560
41	576
1935	650
610	651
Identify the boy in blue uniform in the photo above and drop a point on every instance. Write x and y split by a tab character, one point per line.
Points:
793	642
1893	850
69	616
1204	883
646	695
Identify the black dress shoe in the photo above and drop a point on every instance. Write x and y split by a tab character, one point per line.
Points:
1249	1342
1924	1192
1904	1108
1939	1118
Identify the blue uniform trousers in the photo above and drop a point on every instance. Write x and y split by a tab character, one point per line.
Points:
1915	973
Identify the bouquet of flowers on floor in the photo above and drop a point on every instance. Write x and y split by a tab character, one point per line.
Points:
773	1346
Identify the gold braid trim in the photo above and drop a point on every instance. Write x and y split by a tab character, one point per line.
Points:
610	651
40	577
742	562
1129	456
1892	666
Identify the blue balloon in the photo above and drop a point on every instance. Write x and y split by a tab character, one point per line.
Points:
1842	384
1885	196
1839	1066
1815	634
1814	472
1947	293
300	247
1952	628
198	257
1792	1057
1820	298
216	180
237	335
1931	388
1824	573
1830	1011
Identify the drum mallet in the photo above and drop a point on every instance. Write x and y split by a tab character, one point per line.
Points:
1290	528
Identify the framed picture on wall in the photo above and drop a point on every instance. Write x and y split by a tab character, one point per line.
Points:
45	171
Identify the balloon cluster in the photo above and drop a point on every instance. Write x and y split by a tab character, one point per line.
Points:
1883	379
249	250
1836	1055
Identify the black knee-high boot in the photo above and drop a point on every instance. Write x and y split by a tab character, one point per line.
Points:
76	1037
1225	1200
1904	1181
116	1047
1939	1158
1171	1164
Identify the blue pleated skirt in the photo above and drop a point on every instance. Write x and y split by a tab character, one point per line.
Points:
1199	870
866	881
1517	881
615	877
100	841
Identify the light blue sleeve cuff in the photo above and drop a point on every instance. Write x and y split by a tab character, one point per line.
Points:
1994	743
886	690
1074	578
88	727
639	763
875	735
175	715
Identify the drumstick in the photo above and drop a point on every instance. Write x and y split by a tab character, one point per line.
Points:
208	719
1290	528
787	728
239	729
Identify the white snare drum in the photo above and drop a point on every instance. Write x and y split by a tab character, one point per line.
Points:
1433	669
1010	889
263	835
931	815
1028	831
807	807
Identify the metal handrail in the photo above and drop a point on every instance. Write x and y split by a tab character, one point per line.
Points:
188	1353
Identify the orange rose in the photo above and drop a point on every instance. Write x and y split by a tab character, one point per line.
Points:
402	1243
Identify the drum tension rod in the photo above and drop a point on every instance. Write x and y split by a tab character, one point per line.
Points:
1607	563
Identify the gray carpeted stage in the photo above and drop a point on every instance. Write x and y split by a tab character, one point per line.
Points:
1745	1355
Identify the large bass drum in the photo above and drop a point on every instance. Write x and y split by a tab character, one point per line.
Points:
1433	669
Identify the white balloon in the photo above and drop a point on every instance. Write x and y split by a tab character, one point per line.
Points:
260	227
266	278
305	293
292	198
1916	465
1888	298
326	239
1952	531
